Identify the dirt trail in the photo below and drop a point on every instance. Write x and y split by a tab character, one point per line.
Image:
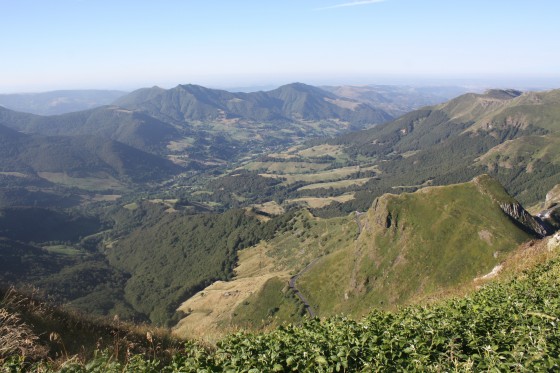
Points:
301	297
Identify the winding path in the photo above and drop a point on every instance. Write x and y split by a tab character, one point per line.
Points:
357	215
301	297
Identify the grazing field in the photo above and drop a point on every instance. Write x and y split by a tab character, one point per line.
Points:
336	184
270	208
336	151
316	202
63	250
103	182
286	167
321	176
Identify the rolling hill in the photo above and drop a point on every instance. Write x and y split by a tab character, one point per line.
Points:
111	122
58	157
415	244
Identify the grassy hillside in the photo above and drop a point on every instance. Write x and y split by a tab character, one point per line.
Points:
259	296
415	244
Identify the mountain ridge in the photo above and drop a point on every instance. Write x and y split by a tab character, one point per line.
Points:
290	102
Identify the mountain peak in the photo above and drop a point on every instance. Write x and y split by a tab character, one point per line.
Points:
302	87
503	94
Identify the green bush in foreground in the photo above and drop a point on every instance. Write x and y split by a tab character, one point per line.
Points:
510	326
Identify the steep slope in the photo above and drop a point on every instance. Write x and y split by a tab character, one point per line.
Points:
135	129
178	255
415	244
58	102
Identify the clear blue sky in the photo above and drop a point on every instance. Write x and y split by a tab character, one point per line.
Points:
128	44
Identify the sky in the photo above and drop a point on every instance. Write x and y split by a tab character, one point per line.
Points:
124	44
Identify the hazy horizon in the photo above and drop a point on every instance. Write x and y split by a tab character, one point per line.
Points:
125	45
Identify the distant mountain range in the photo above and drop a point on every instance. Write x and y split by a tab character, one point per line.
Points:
397	100
193	123
58	102
289	103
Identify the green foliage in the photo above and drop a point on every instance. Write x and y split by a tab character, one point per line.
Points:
274	304
29	224
510	326
231	190
415	244
179	255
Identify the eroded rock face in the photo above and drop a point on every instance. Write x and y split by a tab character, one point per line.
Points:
533	224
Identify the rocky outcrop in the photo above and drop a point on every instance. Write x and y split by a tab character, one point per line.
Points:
525	220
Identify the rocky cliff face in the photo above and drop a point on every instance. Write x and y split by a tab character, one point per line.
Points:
513	209
533	225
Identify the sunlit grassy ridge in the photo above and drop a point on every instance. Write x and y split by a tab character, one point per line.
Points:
415	243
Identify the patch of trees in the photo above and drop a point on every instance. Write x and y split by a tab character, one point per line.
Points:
179	255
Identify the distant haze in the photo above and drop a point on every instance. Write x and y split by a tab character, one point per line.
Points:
124	45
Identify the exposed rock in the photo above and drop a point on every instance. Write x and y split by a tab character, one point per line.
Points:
534	225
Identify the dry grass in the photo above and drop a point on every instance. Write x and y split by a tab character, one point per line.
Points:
17	339
209	312
270	208
316	202
35	330
336	184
